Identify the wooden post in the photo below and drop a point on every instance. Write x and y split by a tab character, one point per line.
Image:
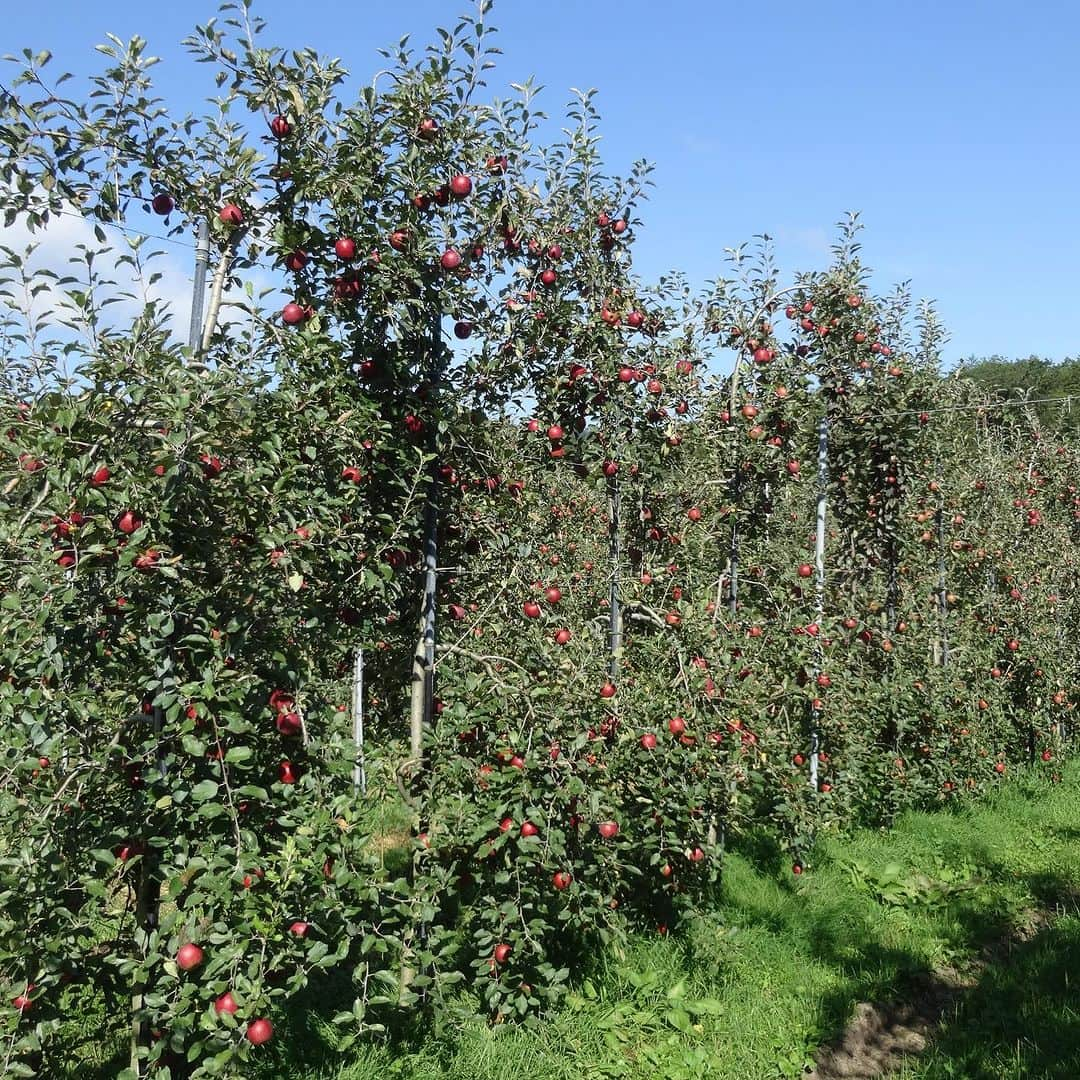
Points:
942	657
615	624
198	291
147	907
359	773
422	695
819	563
733	547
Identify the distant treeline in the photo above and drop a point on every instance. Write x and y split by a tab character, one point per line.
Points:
1033	378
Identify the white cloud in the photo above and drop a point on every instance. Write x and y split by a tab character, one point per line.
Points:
59	248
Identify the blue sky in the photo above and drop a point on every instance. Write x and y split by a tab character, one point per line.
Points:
952	126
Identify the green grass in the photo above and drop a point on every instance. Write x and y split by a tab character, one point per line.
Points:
750	989
1021	1021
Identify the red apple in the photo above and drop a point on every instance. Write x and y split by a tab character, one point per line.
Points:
648	741
226	1004
259	1031
608	829
189	957
531	609
147	560
292	314
211	465
128	522
461	185
288	723
676	725
286	773
299	928
561	880
805	570
528	829
296	260
553	595
345	248
607	690
502	951
231	214
450	259
562	636
428	128
162	204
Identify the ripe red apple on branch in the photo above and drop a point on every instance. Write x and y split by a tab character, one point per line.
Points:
189	957
231	214
259	1031
226	1005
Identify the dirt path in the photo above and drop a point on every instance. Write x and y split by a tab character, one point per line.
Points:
879	1037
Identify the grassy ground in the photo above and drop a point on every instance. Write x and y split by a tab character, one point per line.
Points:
749	990
753	987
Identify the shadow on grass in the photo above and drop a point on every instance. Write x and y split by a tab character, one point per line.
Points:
1022	1019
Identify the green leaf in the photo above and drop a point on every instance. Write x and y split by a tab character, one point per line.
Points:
206	789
